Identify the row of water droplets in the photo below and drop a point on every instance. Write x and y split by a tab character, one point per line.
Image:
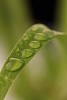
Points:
15	63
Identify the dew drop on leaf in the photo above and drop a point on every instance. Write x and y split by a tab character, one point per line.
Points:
49	34
14	64
34	44
39	36
27	53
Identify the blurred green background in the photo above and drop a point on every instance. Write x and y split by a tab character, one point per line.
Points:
45	76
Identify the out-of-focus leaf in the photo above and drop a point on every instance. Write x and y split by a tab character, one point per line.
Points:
14	20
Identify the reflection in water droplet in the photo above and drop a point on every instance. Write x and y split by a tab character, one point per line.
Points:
14	64
39	36
25	37
34	44
27	53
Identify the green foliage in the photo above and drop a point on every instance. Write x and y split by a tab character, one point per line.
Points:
22	53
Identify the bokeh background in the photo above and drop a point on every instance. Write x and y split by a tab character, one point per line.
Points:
45	76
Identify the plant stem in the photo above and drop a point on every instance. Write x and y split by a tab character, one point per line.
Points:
22	53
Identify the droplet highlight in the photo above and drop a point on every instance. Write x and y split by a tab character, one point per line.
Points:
14	64
27	53
39	36
34	44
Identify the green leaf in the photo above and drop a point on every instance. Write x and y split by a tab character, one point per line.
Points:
29	44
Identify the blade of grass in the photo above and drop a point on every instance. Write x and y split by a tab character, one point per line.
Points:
29	44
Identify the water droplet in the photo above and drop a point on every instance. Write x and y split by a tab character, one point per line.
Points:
27	53
39	36
25	37
49	34
34	44
14	64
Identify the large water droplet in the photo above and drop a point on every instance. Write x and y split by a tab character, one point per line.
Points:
27	53
39	36
34	44
14	64
25	37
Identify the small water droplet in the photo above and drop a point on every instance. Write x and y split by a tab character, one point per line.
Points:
39	36
49	34
27	53
25	37
34	44
14	64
